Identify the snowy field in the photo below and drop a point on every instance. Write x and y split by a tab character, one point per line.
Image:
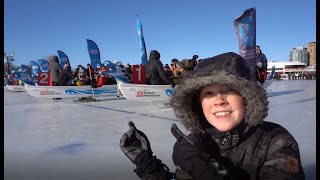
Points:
63	139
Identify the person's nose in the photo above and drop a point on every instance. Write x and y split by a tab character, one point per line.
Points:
220	100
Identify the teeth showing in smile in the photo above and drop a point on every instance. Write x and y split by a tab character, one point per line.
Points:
221	113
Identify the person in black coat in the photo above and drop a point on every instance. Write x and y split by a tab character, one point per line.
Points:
155	74
167	72
262	64
65	77
224	109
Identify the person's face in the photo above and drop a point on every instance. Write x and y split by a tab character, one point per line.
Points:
80	76
257	50
222	107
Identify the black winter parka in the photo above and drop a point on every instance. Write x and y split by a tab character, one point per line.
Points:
267	151
154	70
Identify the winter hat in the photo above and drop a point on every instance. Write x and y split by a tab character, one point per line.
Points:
226	69
186	61
194	57
53	58
154	55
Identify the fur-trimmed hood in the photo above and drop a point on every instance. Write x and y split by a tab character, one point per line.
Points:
228	69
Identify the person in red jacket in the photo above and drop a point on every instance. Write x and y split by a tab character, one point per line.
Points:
100	79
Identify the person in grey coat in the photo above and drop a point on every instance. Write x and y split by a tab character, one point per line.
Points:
54	69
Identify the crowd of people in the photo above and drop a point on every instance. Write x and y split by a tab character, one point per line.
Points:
80	76
156	72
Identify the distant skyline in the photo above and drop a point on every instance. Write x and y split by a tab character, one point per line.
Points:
35	29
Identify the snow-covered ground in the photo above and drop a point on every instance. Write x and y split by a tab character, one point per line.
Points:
64	139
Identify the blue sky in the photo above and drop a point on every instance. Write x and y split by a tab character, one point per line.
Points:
35	29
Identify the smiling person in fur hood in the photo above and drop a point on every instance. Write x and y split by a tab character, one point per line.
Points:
224	111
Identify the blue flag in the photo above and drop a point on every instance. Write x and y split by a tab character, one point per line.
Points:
25	76
63	58
245	26
35	68
144	57
113	71
24	72
44	65
94	54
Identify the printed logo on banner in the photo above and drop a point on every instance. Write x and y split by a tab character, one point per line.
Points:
89	91
64	59
169	92
47	92
147	94
42	92
139	94
93	51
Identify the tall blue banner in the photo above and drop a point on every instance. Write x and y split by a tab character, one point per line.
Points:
94	54
63	58
245	26
144	57
44	65
34	68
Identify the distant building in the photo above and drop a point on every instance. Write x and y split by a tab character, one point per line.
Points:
286	67
291	70
312	53
299	54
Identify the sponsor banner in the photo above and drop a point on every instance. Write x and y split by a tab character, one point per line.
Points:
94	54
245	26
144	57
63	58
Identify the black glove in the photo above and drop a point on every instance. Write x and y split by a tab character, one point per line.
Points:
136	146
195	154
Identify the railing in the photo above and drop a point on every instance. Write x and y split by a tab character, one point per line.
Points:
293	70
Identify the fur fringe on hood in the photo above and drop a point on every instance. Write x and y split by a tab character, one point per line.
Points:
225	69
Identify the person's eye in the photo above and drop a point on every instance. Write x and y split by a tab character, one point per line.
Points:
231	92
208	94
